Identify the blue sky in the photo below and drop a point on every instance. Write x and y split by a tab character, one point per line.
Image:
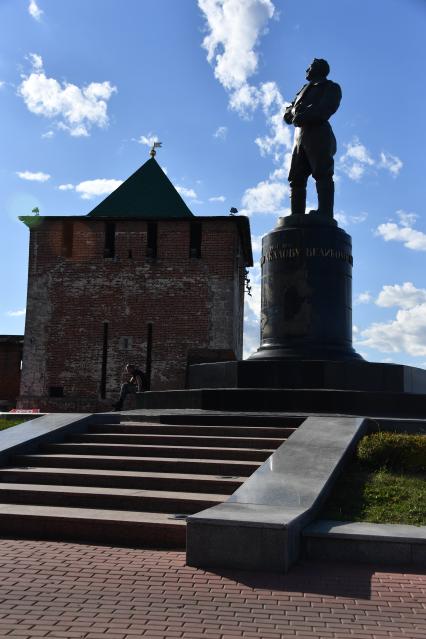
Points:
85	86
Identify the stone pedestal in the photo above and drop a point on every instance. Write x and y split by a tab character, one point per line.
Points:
306	291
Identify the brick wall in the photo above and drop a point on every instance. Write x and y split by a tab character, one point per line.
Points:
82	305
10	368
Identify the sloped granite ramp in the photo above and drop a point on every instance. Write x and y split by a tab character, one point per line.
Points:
259	526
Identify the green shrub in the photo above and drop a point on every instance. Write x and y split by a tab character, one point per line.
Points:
398	452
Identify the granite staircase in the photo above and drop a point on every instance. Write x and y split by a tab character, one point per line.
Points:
134	483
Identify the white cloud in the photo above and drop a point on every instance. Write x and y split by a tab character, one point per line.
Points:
234	30
33	177
357	161
66	187
406	333
34	10
48	135
36	61
406	218
278	174
251	338
279	138
221	133
235	27
2	83
256	243
363	298
148	140
217	198
75	109
252	313
403	296
346	220
265	197
185	192
411	238
93	188
244	100
390	162
357	151
17	313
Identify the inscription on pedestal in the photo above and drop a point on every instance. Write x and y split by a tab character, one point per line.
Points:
285	253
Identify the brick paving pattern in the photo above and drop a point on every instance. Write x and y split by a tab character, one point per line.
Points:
73	591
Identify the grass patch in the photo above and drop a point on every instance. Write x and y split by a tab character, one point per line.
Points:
7	423
385	483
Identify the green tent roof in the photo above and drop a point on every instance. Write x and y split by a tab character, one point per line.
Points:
148	193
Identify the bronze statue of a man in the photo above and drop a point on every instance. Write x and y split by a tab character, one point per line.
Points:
315	145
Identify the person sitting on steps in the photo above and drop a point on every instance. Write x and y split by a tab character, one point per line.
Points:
137	383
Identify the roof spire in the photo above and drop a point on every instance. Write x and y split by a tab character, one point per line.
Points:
156	145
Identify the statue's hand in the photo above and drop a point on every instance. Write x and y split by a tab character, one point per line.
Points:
298	119
288	115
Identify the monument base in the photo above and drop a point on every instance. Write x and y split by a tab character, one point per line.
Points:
306	291
357	375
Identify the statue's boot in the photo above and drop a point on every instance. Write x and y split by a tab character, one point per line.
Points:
325	192
298	200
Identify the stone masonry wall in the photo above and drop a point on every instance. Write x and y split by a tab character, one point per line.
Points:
10	368
190	302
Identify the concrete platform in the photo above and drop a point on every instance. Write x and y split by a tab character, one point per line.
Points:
297	400
394	544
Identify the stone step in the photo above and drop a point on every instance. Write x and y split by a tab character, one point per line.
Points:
158	451
216	418
142	439
122	479
132	428
107	498
118	527
225	467
134	483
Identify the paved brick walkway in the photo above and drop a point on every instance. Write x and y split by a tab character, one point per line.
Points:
72	591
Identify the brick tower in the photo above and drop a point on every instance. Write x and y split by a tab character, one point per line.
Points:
139	279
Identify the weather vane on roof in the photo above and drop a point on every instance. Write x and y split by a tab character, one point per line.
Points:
156	145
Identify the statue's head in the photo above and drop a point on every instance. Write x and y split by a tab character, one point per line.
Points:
318	69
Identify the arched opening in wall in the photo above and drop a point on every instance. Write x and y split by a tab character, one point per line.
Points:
104	359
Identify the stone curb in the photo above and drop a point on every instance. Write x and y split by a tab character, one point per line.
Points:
393	544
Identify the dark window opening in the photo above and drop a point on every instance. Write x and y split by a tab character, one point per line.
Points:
56	391
67	238
130	254
109	249
148	354
195	239
151	239
104	360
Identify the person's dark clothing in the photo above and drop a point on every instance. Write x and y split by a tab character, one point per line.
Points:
315	145
137	384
